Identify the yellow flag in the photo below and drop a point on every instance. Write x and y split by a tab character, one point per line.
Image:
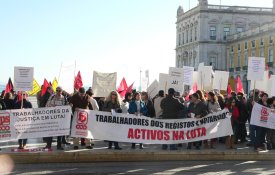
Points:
36	88
54	84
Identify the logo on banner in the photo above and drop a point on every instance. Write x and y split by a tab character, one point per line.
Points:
5	125
82	120
264	114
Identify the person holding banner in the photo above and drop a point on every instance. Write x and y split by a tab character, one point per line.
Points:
270	136
149	105
197	109
261	131
138	108
56	99
157	102
23	104
81	100
235	114
113	104
126	102
212	106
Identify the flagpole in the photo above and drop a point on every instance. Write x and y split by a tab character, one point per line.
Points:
254	91
60	71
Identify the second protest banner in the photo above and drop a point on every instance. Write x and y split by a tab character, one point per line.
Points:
141	129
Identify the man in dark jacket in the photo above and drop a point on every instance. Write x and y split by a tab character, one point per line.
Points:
81	100
171	108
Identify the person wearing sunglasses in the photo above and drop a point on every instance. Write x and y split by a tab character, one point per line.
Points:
56	99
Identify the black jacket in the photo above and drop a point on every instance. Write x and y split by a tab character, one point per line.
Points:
171	107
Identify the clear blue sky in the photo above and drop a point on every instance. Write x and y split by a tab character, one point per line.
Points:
107	36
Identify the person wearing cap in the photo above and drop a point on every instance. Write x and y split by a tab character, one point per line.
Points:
19	105
56	99
171	107
82	101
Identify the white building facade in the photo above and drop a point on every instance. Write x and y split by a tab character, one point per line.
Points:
202	31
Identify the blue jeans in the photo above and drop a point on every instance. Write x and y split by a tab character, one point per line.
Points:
252	134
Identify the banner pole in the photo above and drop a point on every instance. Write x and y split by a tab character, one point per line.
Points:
60	71
254	91
21	99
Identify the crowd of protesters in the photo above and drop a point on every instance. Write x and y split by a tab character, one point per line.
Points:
162	106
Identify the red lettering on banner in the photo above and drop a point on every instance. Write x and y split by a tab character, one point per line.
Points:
199	132
178	135
145	134
166	135
137	134
131	134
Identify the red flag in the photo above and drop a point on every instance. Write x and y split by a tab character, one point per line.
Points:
45	87
229	90
9	86
78	81
122	89
19	96
239	85
192	91
130	88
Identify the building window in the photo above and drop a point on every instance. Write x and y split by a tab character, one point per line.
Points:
226	32
212	33
253	43
231	61
179	40
213	62
195	33
191	35
270	54
246	59
182	38
239	47
239	29
187	36
232	48
239	60
245	45
270	39
261	42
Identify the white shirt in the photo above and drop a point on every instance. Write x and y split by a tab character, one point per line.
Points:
94	104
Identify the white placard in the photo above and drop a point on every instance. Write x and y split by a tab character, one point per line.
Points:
261	85
220	81
103	83
188	75
163	82
176	79
256	68
23	78
263	116
271	86
205	78
153	89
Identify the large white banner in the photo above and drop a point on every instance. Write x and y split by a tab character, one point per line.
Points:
263	116
256	68
23	78
103	83
140	129
35	123
220	81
